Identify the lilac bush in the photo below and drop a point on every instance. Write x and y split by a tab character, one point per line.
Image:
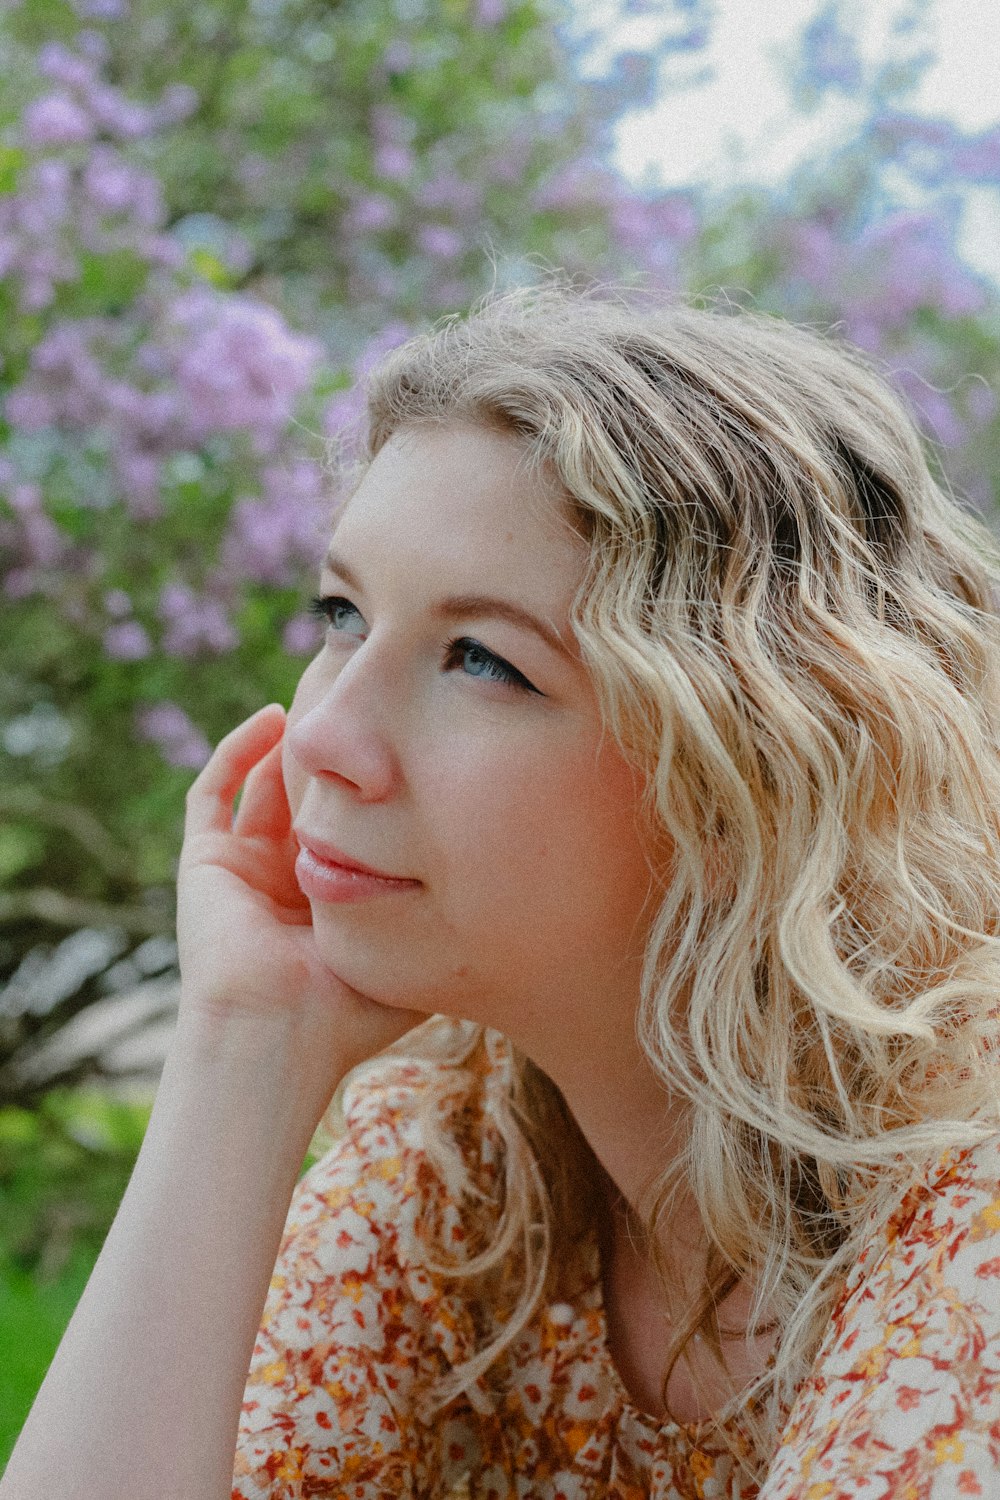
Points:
211	224
864	242
214	219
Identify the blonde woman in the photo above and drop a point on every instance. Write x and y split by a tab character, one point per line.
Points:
632	849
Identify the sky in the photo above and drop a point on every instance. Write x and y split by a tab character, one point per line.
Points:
741	125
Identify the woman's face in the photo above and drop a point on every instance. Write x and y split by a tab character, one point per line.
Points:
476	769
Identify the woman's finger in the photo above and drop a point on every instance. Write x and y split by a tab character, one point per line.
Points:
264	811
210	797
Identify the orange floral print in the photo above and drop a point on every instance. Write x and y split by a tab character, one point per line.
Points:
903	1402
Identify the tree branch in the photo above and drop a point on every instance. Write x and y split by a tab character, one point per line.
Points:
47	905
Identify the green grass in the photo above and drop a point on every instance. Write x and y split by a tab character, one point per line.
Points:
33	1319
64	1168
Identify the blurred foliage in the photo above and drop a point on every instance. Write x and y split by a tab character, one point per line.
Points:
64	1167
213	220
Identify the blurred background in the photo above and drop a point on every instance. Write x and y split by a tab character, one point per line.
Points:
214	216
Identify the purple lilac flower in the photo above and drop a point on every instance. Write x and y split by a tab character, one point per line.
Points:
55	120
119	116
343	412
271	538
394	162
181	742
489	13
177	102
101	10
40	215
51	180
59	64
139	475
37	293
127	641
25	498
301	636
450	292
569	186
95	46
114	186
117	603
982	403
369	214
815	253
439	241
862	327
21	583
677	218
919	268
240	365
449	191
509	164
44	543
387	124
630	223
938	416
29	409
388	337
398	56
979	159
194	623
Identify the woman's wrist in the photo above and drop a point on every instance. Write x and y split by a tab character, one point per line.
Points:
265	1072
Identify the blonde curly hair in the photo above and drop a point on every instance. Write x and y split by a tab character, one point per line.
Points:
793	630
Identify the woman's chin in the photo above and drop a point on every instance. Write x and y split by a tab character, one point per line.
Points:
376	983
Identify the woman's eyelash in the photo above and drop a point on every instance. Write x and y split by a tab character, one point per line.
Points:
324	605
497	670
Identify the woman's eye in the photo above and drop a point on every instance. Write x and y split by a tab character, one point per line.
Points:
482	663
475	660
332	609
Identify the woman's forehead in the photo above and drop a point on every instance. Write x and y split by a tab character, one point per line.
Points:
464	478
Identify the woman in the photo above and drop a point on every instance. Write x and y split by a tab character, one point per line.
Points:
636	828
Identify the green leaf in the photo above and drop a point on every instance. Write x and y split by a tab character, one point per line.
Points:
108	283
12	159
20	848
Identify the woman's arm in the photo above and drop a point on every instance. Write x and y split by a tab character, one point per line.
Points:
143	1397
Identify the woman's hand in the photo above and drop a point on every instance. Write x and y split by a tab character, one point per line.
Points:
248	957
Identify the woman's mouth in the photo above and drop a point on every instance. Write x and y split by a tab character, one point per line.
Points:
324	880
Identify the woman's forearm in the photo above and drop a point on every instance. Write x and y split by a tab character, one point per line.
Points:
143	1396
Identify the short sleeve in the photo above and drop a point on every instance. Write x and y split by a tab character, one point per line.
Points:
353	1332
903	1402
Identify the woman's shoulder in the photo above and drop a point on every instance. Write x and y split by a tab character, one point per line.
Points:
962	1185
411	1181
907	1380
417	1157
419	1138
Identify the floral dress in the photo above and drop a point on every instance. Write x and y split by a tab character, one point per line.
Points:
902	1403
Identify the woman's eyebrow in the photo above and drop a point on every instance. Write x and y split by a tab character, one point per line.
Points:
458	605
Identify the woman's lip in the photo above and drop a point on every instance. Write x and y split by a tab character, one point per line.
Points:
322	880
331	855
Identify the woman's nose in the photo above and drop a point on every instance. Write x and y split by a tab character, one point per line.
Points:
348	732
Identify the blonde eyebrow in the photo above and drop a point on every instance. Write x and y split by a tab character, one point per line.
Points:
458	606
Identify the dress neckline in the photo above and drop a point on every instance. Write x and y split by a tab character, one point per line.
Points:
662	1427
